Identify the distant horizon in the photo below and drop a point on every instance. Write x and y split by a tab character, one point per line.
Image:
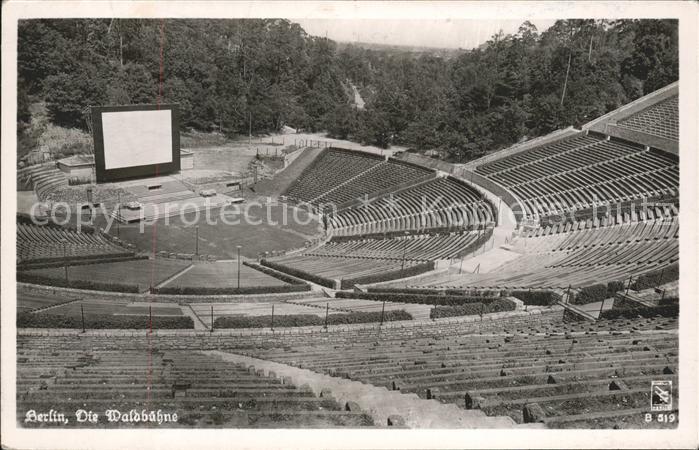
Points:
449	34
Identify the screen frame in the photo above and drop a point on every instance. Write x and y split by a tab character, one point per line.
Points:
150	170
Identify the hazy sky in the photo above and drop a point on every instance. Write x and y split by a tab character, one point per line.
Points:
443	33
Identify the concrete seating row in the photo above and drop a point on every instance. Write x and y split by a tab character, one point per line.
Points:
503	374
35	242
332	168
660	119
204	391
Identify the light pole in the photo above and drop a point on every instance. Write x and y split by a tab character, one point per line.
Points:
196	240
238	248
65	262
405	249
497	219
118	217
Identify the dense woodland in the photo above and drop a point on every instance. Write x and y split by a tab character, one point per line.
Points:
241	76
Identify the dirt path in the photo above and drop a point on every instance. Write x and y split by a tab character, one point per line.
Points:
358	100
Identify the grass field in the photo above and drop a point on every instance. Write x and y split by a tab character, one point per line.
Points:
29	302
142	272
255	235
203	310
92	307
101	307
155	309
223	274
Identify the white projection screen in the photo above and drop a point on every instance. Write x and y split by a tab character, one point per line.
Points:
136	138
135	141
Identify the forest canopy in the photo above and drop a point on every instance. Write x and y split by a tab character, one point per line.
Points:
241	76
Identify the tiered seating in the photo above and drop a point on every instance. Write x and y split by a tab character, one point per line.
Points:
383	177
575	379
202	390
580	258
338	267
44	243
423	247
584	235
332	168
582	171
534	154
45	179
660	119
438	203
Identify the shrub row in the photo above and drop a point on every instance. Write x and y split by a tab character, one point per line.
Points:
387	276
300	320
597	292
251	290
447	300
657	277
476	293
275	273
47	263
669	310
327	282
590	294
25	277
102	321
499	305
384	290
462	292
613	287
669	301
395	234
538	298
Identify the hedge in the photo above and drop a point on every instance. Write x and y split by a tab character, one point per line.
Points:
476	293
539	298
656	277
499	305
613	287
445	300
327	282
590	294
274	273
382	290
462	292
669	301
48	263
25	277
301	320
597	292
387	276
470	309
205	290
395	234
102	321
671	310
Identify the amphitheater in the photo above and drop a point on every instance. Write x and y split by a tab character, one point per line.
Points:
536	287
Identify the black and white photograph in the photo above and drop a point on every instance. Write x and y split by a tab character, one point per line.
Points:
361	219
